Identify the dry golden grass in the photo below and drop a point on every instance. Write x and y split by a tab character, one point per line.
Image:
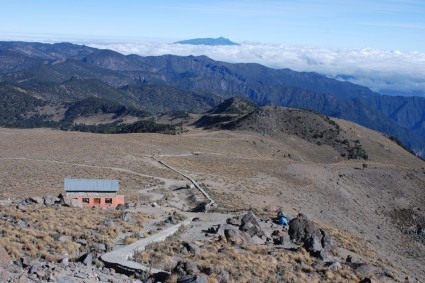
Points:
262	263
35	231
350	242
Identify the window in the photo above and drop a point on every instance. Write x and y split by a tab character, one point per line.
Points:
86	200
108	200
96	201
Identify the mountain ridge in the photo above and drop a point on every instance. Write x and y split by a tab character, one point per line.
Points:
208	41
29	64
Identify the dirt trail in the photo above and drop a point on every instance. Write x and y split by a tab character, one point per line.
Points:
211	201
120	169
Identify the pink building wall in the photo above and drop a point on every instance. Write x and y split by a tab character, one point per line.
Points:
100	200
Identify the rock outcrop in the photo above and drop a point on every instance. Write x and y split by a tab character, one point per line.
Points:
316	241
242	230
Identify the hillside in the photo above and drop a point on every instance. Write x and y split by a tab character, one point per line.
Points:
333	139
371	207
197	83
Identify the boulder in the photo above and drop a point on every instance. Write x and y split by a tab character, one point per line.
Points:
362	270
314	246
301	229
303	232
249	217
5	259
51	200
250	224
238	237
250	229
328	241
37	200
72	202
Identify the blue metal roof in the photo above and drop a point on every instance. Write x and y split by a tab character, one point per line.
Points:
91	185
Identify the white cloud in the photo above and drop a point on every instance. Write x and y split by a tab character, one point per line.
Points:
380	70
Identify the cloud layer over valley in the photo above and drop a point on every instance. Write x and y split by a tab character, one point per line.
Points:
387	72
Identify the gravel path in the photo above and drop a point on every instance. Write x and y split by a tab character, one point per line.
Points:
120	257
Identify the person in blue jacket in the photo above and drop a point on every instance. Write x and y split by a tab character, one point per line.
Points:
282	219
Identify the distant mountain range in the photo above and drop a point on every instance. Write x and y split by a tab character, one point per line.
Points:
208	41
37	75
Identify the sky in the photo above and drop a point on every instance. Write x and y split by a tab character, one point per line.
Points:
382	24
380	43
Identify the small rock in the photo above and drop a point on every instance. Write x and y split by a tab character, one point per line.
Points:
185	268
200	278
82	242
103	278
100	247
65	261
170	220
82	275
318	265
41	274
335	266
108	223
223	276
235	220
86	258
5	259
64	238
192	248
120	207
4	274
26	261
128	217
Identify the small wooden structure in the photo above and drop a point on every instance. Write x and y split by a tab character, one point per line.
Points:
94	192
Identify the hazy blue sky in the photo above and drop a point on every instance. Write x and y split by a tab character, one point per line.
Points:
383	24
